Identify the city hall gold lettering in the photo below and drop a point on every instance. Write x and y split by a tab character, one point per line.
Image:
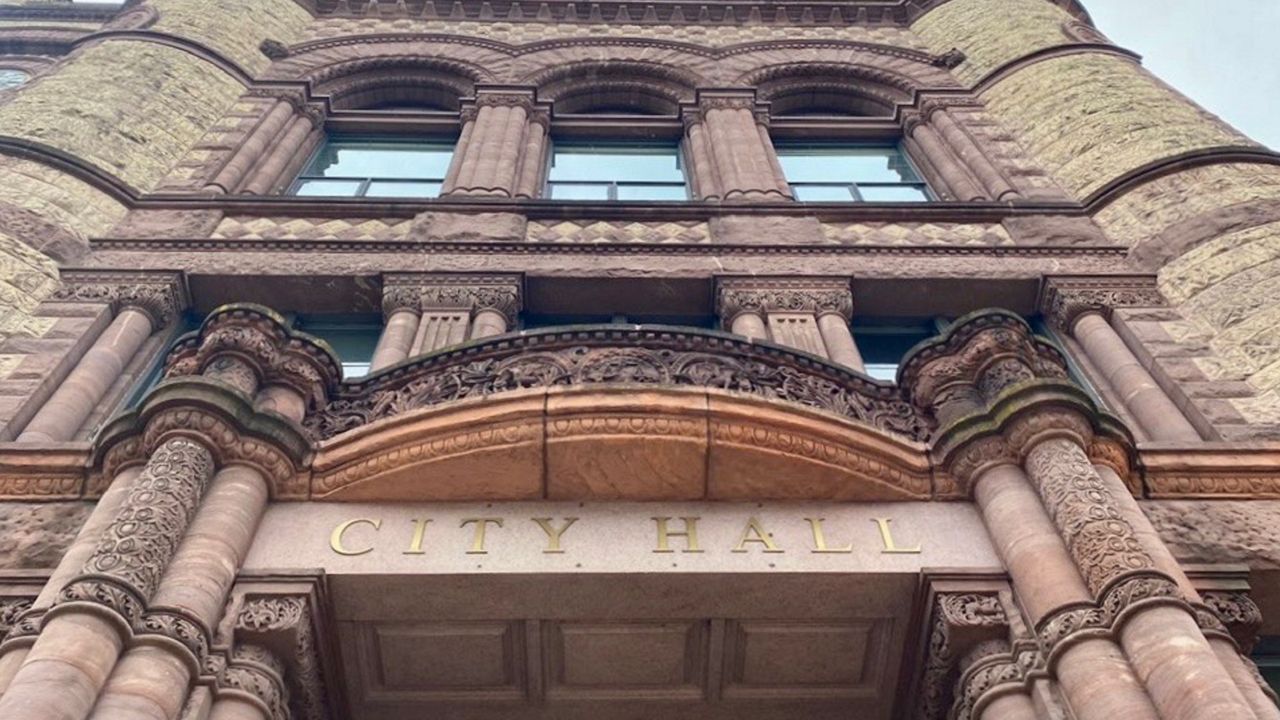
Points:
360	536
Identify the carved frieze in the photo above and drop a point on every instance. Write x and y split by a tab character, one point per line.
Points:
1064	299
820	296
474	293
160	295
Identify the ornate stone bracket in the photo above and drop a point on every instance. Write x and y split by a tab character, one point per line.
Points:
161	295
278	630
421	292
961	620
1063	299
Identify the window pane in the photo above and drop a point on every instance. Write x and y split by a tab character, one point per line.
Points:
327	188
573	191
388	188
898	193
652	192
382	160
845	164
823	193
354	342
10	78
883	371
647	163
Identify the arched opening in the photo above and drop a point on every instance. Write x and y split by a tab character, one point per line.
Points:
823	89
396	84
616	88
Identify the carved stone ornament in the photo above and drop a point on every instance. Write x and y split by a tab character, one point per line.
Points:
257	672
134	550
11	612
248	345
1072	622
820	296
990	668
281	626
162	296
619	354
960	622
1064	299
499	293
1237	614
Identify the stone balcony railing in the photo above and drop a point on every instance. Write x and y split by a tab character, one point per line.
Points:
650	355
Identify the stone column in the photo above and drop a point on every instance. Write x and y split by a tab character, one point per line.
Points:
241	163
85	631
1002	397
400	326
143	303
808	314
454	308
728	147
254	687
285	152
1081	307
16	645
970	154
950	169
502	126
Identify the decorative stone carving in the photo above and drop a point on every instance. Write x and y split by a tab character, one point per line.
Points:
498	293
1064	299
987	667
11	612
248	345
256	671
281	626
162	296
131	557
960	622
1125	596
179	627
819	296
1237	613
612	354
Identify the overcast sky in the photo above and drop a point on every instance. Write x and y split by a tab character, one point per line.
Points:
1224	54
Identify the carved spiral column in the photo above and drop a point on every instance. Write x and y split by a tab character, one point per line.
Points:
503	141
140	309
444	310
809	314
1003	400
1082	308
727	144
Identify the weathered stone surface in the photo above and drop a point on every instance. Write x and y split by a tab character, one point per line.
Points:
456	227
35	535
992	32
236	28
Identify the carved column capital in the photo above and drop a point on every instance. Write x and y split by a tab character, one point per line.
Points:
991	669
525	98
820	296
959	621
1237	614
1125	593
498	293
282	627
161	295
248	346
1064	299
257	672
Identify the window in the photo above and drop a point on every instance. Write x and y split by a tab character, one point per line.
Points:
376	167
531	321
1267	655
851	173
352	338
11	78
883	344
616	172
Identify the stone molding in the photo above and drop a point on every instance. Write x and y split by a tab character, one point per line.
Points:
502	96
1073	623
161	295
1063	299
960	620
820	296
247	346
502	294
1236	613
992	669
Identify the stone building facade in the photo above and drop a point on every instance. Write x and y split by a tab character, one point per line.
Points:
374	359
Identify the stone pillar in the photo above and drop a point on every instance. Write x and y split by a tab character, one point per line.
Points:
254	686
808	314
728	148
400	326
241	163
503	139
968	152
143	305
1081	307
1003	399
452	308
285	152
960	184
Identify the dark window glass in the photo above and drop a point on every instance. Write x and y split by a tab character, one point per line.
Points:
1267	655
531	321
376	168
884	343
616	172
851	173
11	78
352	338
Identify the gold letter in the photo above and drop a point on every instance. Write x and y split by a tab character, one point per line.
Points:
690	534
760	536
335	538
477	541
886	537
419	530
820	539
553	535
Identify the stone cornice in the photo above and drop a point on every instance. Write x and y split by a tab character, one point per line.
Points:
1063	299
161	295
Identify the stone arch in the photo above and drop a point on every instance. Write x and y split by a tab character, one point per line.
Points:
605	86
829	88
398	80
456	62
889	77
